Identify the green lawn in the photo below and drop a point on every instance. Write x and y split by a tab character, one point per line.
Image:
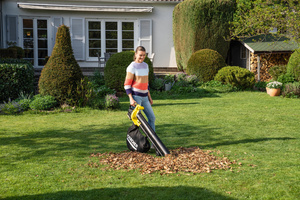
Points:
46	156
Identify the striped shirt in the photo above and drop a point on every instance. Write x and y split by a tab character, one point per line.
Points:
136	81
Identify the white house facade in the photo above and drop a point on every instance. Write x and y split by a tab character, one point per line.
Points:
96	27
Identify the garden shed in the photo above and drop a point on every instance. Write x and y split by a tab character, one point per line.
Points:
97	27
258	54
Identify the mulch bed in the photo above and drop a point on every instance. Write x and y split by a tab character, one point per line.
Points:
191	160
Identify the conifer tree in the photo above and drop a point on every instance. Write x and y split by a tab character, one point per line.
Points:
61	74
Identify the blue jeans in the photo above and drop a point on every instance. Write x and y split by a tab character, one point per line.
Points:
144	101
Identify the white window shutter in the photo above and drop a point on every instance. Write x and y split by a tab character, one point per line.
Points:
145	36
55	23
77	35
12	29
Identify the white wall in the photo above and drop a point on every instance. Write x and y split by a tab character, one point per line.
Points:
162	39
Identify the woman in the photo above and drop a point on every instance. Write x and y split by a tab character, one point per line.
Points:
137	84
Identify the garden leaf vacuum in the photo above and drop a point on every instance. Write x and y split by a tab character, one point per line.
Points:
136	141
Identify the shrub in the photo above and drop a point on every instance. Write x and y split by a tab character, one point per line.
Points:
276	71
180	76
260	85
10	108
20	53
201	24
85	92
169	78
97	79
286	78
217	87
158	84
291	90
115	70
16	76
111	101
236	76
8	53
293	66
192	80
205	64
62	74
43	102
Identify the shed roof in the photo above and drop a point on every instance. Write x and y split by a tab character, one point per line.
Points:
269	43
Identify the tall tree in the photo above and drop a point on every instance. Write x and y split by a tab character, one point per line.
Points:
256	17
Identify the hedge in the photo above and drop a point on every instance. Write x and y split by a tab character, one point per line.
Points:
201	24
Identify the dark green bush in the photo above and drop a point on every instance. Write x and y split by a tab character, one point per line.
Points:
62	74
40	102
15	76
115	70
293	66
201	24
286	78
8	53
158	84
20	52
236	76
205	64
291	90
276	71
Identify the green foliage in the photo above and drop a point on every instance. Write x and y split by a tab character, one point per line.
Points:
97	79
286	78
260	85
40	102
260	17
112	102
16	76
205	64
85	92
276	71
217	87
158	84
236	76
293	66
115	70
291	90
8	53
201	24
10	108
169	78
20	53
62	74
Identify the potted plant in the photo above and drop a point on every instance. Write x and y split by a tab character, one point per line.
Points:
273	88
169	81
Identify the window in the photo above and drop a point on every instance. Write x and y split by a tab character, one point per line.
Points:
106	36
243	52
35	40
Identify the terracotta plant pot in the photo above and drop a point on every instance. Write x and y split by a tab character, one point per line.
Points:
273	91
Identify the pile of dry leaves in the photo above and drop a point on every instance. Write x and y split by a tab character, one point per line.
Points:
193	160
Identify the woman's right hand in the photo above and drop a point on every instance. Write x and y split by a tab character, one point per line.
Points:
132	101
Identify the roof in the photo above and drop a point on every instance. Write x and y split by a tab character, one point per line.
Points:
269	43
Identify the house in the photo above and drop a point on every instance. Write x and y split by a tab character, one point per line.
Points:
96	26
259	53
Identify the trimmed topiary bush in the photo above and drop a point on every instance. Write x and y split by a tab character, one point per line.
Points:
205	64
293	66
201	24
16	76
236	76
115	70
62	74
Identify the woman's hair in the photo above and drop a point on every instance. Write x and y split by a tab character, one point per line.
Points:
139	48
